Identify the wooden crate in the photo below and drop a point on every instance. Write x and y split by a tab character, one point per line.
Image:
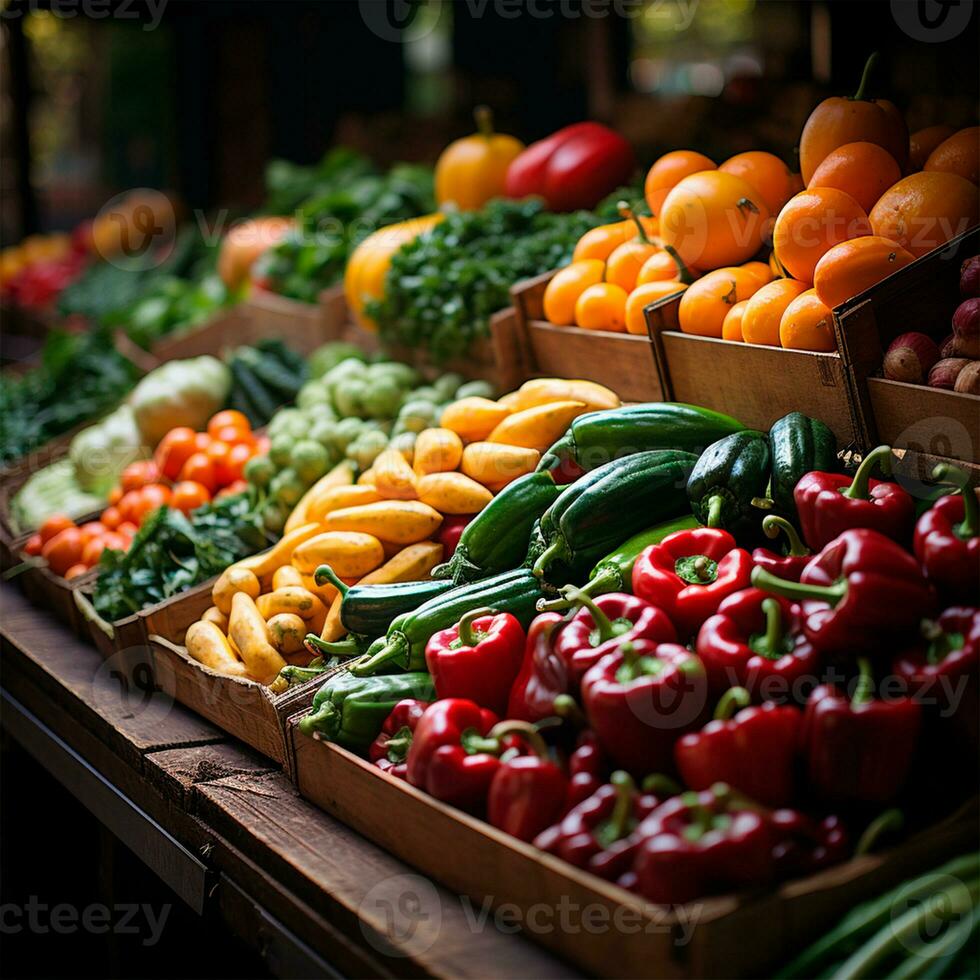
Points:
302	326
754	383
50	592
603	928
620	361
920	297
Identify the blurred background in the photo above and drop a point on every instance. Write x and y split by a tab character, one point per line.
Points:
197	96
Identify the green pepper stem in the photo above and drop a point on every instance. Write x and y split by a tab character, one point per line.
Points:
527	731
566	707
601	620
396	748
484	120
628	214
543	560
798	591
890	821
341	648
734	699
715	504
866	76
660	784
618	824
945	473
683	272
467	637
325	575
476	744
317	721
881	457
291	675
606	579
773	525
396	646
864	689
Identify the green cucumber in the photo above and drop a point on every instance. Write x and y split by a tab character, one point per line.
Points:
369	609
798	445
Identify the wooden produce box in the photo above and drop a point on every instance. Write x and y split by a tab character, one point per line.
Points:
302	326
921	297
754	383
602	928
620	361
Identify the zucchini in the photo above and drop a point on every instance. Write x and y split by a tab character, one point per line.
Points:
798	445
368	610
265	406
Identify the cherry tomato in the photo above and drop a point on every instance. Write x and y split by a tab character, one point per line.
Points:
237	459
155	495
33	545
235	437
92	552
200	469
78	569
55	524
139	474
111	518
201	442
127	529
63	550
188	495
228	419
174	449
115	495
130	507
115	542
239	486
218	454
93	529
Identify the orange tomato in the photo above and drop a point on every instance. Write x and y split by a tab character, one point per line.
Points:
238	456
78	569
565	287
668	171
174	449
262	444
713	219
960	154
662	266
731	326
114	541
199	468
598	243
188	495
55	524
644	296
760	320
93	551
852	267
218	454
761	270
923	141
807	324
239	486
127	529
234	437
810	224
115	495
63	550
139	474
863	170
130	508
111	518
837	121
201	442
925	210
707	302
33	545
626	261
152	497
92	529
602	307
766	173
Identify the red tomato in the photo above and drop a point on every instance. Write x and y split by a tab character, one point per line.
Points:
93	551
201	442
93	529
262	444
127	529
33	545
115	542
238	486
218	454
115	495
174	449
111	518
199	468
139	474
78	569
235	437
238	456
155	495
130	507
55	524
228	419
63	550
188	495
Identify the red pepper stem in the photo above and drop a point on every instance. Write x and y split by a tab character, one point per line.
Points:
945	473
865	76
887	822
629	214
772	641
467	637
601	620
715	504
798	591
734	699
566	707
325	575
864	689
773	525
619	821
396	748
484	120
526	731
660	784
880	457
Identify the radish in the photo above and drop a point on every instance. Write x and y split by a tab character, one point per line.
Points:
966	328
968	380
944	374
970	277
910	358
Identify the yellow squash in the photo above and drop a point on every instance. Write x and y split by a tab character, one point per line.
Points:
279	554
208	645
334	498
437	451
289	599
538	427
453	493
341	475
214	615
349	553
230	581
473	419
288	632
496	465
286	575
394	479
540	391
392	521
251	637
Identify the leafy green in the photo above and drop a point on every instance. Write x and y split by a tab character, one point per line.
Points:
171	553
442	287
288	184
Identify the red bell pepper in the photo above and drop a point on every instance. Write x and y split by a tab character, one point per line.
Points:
451	757
586	766
597	833
450	532
858	750
858	590
947	539
389	751
805	845
528	792
698	843
573	168
601	624
640	698
543	675
689	573
478	658
830	503
789	565
942	671
755	641
755	751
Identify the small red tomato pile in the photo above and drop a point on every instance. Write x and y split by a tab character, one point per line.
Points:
188	470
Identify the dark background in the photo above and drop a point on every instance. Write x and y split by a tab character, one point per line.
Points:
93	102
